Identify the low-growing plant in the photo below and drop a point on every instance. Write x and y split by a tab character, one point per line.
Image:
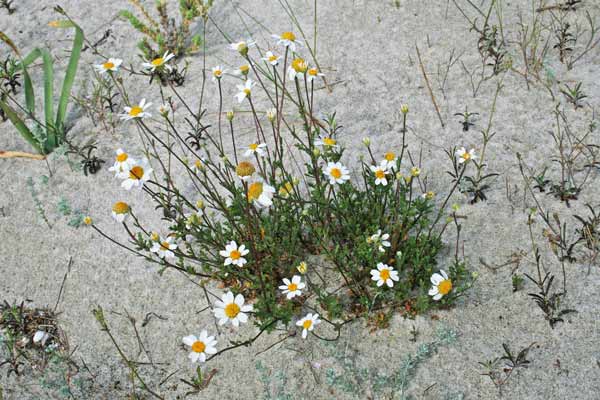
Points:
574	95
257	212
476	185
25	335
164	35
350	376
44	136
500	369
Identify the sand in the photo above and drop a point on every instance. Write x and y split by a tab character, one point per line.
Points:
367	51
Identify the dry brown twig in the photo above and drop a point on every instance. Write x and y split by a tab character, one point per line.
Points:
431	95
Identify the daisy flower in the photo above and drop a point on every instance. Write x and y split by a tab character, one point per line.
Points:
159	62
234	254
308	323
198	165
241	46
380	171
245	90
271	58
292	288
390	157
464	155
327	142
163	110
137	111
110	65
192	219
255	148
287	39
336	173
302	267
313	73
261	193
232	309
217	73
286	189
242	70
415	171
163	247
122	163
137	175
442	285
380	240
200	346
429	195
384	274
245	170
297	68
120	210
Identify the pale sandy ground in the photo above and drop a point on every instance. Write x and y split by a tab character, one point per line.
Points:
367	49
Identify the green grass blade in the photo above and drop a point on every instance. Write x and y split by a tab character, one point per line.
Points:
48	92
20	125
69	76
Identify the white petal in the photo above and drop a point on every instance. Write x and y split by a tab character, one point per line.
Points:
189	340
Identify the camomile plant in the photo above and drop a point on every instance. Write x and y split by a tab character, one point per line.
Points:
247	197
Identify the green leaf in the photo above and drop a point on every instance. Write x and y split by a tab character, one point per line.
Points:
69	76
20	125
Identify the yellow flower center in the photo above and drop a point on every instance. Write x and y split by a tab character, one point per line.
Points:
247	92
245	168
273	58
253	146
445	286
384	274
235	255
380	174
108	65
232	310
288	36
307	324
136	172
302	267
120	207
154	237
157	62
389	156
198	164
286	189
165	245
245	68
299	65
241	46
466	156
254	191
198	346
292	287
336	173
122	157
313	71
329	141
217	73
135	111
